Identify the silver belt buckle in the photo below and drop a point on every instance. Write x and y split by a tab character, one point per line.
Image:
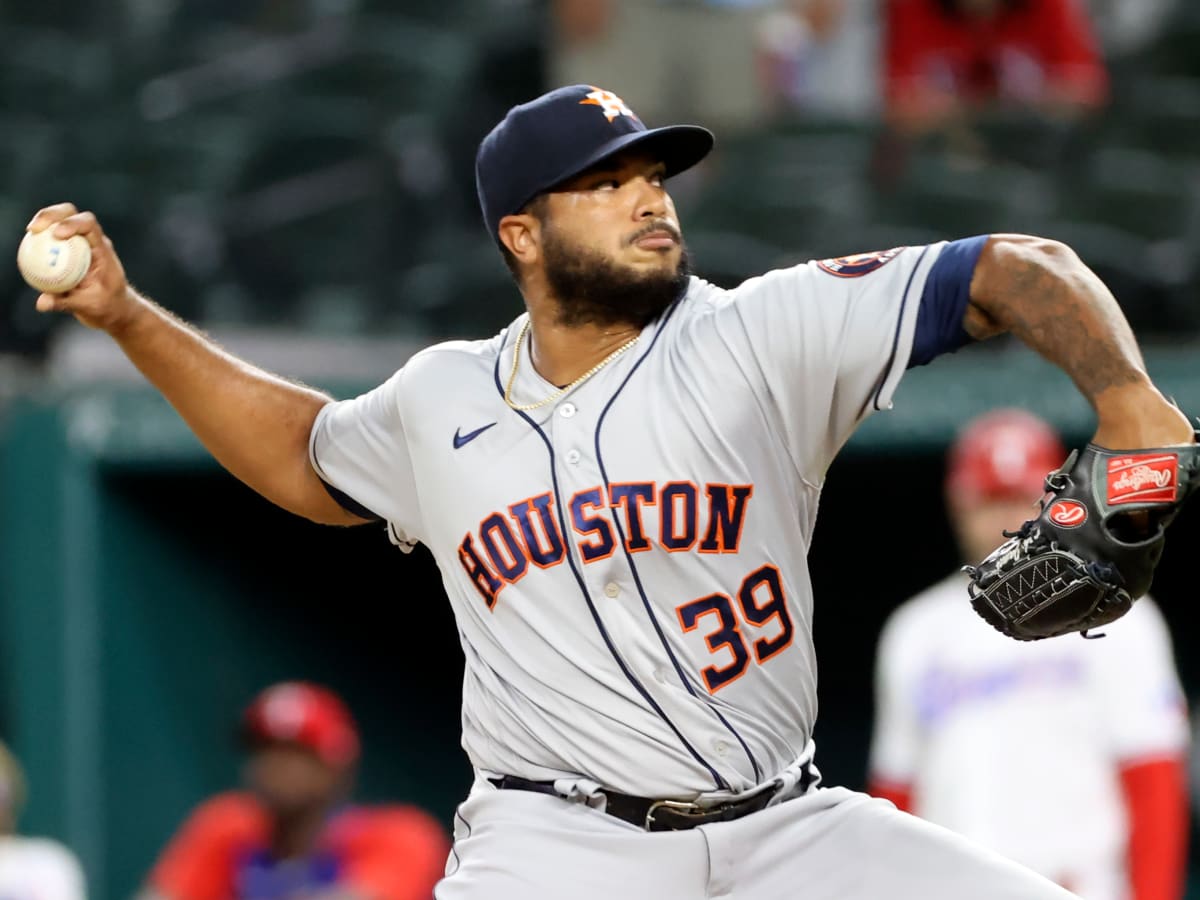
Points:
680	805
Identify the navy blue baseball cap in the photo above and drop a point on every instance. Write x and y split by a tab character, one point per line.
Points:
542	143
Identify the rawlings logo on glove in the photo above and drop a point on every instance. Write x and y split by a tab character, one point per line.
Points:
1092	550
1145	479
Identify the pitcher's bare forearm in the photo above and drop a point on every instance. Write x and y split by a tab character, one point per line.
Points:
256	424
1040	291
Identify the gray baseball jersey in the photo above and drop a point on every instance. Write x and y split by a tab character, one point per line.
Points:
627	565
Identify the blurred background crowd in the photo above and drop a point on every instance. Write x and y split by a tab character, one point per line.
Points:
297	177
309	164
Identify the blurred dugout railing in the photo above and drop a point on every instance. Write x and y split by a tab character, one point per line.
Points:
309	165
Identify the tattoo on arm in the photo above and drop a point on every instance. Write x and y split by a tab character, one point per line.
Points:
1040	291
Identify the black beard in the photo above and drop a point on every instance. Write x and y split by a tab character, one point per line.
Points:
593	290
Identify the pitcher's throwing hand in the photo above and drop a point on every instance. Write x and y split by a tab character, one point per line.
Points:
102	299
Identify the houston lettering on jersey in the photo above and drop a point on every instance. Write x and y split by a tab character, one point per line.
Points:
686	517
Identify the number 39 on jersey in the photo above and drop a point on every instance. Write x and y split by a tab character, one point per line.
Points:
706	519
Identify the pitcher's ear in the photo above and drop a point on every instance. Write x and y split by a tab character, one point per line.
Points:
520	235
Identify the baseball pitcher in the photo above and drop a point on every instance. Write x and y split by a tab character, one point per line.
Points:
620	489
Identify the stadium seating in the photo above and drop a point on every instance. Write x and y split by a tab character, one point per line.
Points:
310	166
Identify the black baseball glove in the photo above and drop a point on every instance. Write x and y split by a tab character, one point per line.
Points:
1092	550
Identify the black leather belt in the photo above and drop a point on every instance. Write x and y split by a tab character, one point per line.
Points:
664	815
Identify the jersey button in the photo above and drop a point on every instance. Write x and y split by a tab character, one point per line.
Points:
721	747
567	410
573	457
612	589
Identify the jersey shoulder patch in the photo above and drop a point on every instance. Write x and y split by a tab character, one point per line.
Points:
859	264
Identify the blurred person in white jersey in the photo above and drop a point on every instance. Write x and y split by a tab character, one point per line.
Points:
1066	755
31	868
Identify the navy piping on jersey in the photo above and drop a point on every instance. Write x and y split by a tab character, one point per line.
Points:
899	325
637	579
348	503
720	782
454	844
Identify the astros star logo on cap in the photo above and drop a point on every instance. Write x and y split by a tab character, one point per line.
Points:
612	105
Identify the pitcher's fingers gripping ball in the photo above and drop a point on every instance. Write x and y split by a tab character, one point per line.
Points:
53	265
1092	550
67	257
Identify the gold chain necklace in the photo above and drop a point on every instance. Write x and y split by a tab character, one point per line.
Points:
526	407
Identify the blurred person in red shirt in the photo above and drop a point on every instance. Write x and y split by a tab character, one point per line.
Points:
946	59
292	834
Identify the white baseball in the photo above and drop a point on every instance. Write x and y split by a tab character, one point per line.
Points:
51	265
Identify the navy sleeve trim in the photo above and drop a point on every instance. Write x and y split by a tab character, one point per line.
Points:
944	301
889	368
349	504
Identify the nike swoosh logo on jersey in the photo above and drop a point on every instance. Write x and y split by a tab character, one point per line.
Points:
461	440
